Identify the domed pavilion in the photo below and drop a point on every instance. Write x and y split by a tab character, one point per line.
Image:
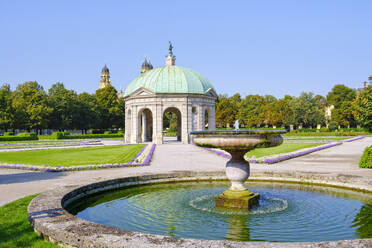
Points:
175	89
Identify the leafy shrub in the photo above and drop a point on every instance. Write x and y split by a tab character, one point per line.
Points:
93	136
58	135
107	132
325	134
8	134
366	159
323	129
332	126
63	135
20	137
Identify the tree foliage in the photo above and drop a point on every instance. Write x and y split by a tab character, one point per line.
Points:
110	108
65	105
6	110
341	97
31	110
362	107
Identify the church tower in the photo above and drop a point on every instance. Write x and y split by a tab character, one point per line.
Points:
146	66
105	78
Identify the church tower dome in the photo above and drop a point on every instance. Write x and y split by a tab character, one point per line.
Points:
105	77
146	66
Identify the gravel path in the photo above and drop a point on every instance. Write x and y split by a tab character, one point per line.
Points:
337	161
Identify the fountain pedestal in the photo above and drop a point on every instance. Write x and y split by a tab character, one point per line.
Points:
237	171
238	143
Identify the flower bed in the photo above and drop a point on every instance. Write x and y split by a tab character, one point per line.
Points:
281	157
142	158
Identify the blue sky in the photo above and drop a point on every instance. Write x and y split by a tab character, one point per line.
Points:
249	47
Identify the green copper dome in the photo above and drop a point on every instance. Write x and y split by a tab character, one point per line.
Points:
171	79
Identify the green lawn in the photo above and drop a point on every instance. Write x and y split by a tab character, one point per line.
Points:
34	145
37	141
16	230
28	146
73	156
315	138
283	148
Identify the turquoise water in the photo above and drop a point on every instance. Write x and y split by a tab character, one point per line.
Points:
287	212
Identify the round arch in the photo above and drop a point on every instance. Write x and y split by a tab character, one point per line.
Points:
207	117
145	125
178	115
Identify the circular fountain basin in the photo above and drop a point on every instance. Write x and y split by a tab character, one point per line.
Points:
286	213
153	197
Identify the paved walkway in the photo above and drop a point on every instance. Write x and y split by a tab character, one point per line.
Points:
336	161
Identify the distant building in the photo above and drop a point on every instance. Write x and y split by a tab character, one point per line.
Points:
105	78
146	66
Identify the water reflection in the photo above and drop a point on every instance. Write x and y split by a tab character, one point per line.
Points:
363	222
238	228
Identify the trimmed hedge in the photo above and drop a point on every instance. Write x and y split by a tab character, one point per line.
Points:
93	136
8	133
66	135
366	159
325	133
20	137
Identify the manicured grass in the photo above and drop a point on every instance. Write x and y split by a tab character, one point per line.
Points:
315	138
75	156
16	230
283	148
37	141
28	146
34	145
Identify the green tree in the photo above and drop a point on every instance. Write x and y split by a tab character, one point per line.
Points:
6	111
65	107
362	107
279	113
341	97
110	108
87	112
227	110
270	98
306	110
31	110
252	110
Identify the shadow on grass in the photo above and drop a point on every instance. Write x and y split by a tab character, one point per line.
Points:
15	229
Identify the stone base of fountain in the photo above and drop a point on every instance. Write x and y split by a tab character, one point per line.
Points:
237	199
238	143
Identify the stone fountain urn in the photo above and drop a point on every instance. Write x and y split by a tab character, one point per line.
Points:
238	143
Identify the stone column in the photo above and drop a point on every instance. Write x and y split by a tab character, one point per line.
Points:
212	119
184	126
200	118
143	134
134	125
128	125
158	124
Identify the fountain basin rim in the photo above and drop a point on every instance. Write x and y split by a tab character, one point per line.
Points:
48	217
237	132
